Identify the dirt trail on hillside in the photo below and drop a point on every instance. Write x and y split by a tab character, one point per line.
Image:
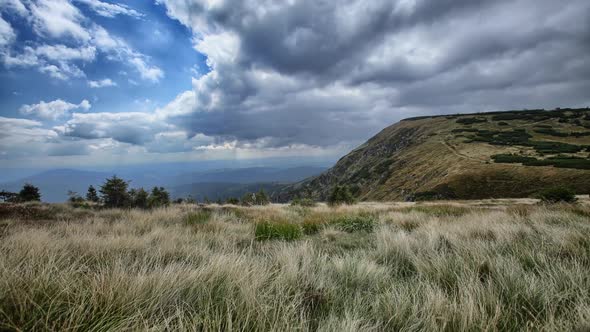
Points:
454	150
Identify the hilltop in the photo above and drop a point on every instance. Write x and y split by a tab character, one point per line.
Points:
464	156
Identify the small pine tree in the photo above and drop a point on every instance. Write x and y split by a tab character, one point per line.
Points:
91	195
261	198
139	198
74	198
114	193
29	193
159	197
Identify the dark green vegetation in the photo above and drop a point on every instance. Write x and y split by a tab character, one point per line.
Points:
305	202
114	193
28	193
559	161
470	156
371	267
341	195
468	121
259	198
281	230
557	195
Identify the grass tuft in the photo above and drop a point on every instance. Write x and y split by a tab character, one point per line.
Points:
266	230
358	223
201	216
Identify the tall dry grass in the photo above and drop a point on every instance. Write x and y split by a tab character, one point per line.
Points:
431	268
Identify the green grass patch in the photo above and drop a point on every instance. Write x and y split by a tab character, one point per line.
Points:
270	230
198	217
359	223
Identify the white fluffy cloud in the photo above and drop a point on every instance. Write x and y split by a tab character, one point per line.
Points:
58	18
64	53
107	9
14	6
7	34
53	110
61	20
150	73
102	83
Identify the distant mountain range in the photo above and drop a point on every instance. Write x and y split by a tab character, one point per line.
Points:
214	184
464	156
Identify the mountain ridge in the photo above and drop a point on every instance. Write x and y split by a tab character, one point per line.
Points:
459	156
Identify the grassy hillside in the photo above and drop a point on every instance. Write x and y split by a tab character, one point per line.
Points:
369	267
469	156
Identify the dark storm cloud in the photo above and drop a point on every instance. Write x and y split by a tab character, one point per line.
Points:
324	73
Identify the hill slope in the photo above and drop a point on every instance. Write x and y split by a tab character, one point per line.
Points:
469	156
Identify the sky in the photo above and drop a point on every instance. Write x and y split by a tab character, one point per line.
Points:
97	82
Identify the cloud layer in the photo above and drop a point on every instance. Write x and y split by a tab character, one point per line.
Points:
311	76
319	73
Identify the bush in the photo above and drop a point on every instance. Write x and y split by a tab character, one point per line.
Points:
232	200
29	193
259	198
554	147
306	202
560	161
359	223
74	198
468	121
512	158
277	231
7	196
557	195
341	195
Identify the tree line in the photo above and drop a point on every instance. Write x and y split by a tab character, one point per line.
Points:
115	192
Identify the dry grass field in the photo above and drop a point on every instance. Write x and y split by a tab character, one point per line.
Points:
497	265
